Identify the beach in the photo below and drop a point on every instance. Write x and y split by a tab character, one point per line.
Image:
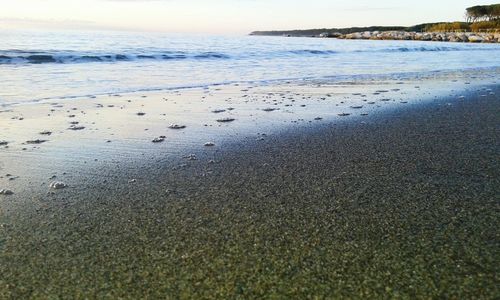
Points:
308	192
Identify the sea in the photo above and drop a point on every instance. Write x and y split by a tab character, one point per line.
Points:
43	66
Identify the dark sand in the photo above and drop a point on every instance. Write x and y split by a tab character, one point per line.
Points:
405	205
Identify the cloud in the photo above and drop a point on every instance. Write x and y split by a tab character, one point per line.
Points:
372	8
47	23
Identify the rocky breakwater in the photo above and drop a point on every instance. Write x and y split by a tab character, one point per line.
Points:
463	37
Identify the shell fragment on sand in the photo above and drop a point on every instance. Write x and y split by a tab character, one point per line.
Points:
57	185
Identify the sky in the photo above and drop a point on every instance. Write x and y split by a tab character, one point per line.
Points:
223	16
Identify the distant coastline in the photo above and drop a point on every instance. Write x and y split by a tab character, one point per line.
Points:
369	34
482	26
461	37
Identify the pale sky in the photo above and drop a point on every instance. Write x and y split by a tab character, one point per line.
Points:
224	16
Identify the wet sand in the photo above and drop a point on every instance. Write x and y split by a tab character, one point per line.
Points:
401	204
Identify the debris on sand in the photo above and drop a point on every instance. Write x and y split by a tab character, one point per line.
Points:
270	109
357	106
344	114
4	143
318	119
46	132
57	185
35	142
225	120
218	111
209	144
176	126
141	113
132	181
6	192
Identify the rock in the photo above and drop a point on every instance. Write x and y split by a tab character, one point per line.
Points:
475	39
141	113
4	143
57	185
225	120
6	192
176	126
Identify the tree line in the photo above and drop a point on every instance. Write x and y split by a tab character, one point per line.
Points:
482	13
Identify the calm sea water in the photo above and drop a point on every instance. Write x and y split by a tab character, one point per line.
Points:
41	65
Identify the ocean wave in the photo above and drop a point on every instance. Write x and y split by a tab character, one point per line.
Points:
71	57
40	57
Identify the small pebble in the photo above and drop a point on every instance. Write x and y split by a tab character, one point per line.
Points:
176	126
6	192
158	140
37	141
225	120
57	185
73	127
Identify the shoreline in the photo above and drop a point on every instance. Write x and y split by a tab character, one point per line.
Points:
402	204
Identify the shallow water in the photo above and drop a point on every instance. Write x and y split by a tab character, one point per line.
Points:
40	65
